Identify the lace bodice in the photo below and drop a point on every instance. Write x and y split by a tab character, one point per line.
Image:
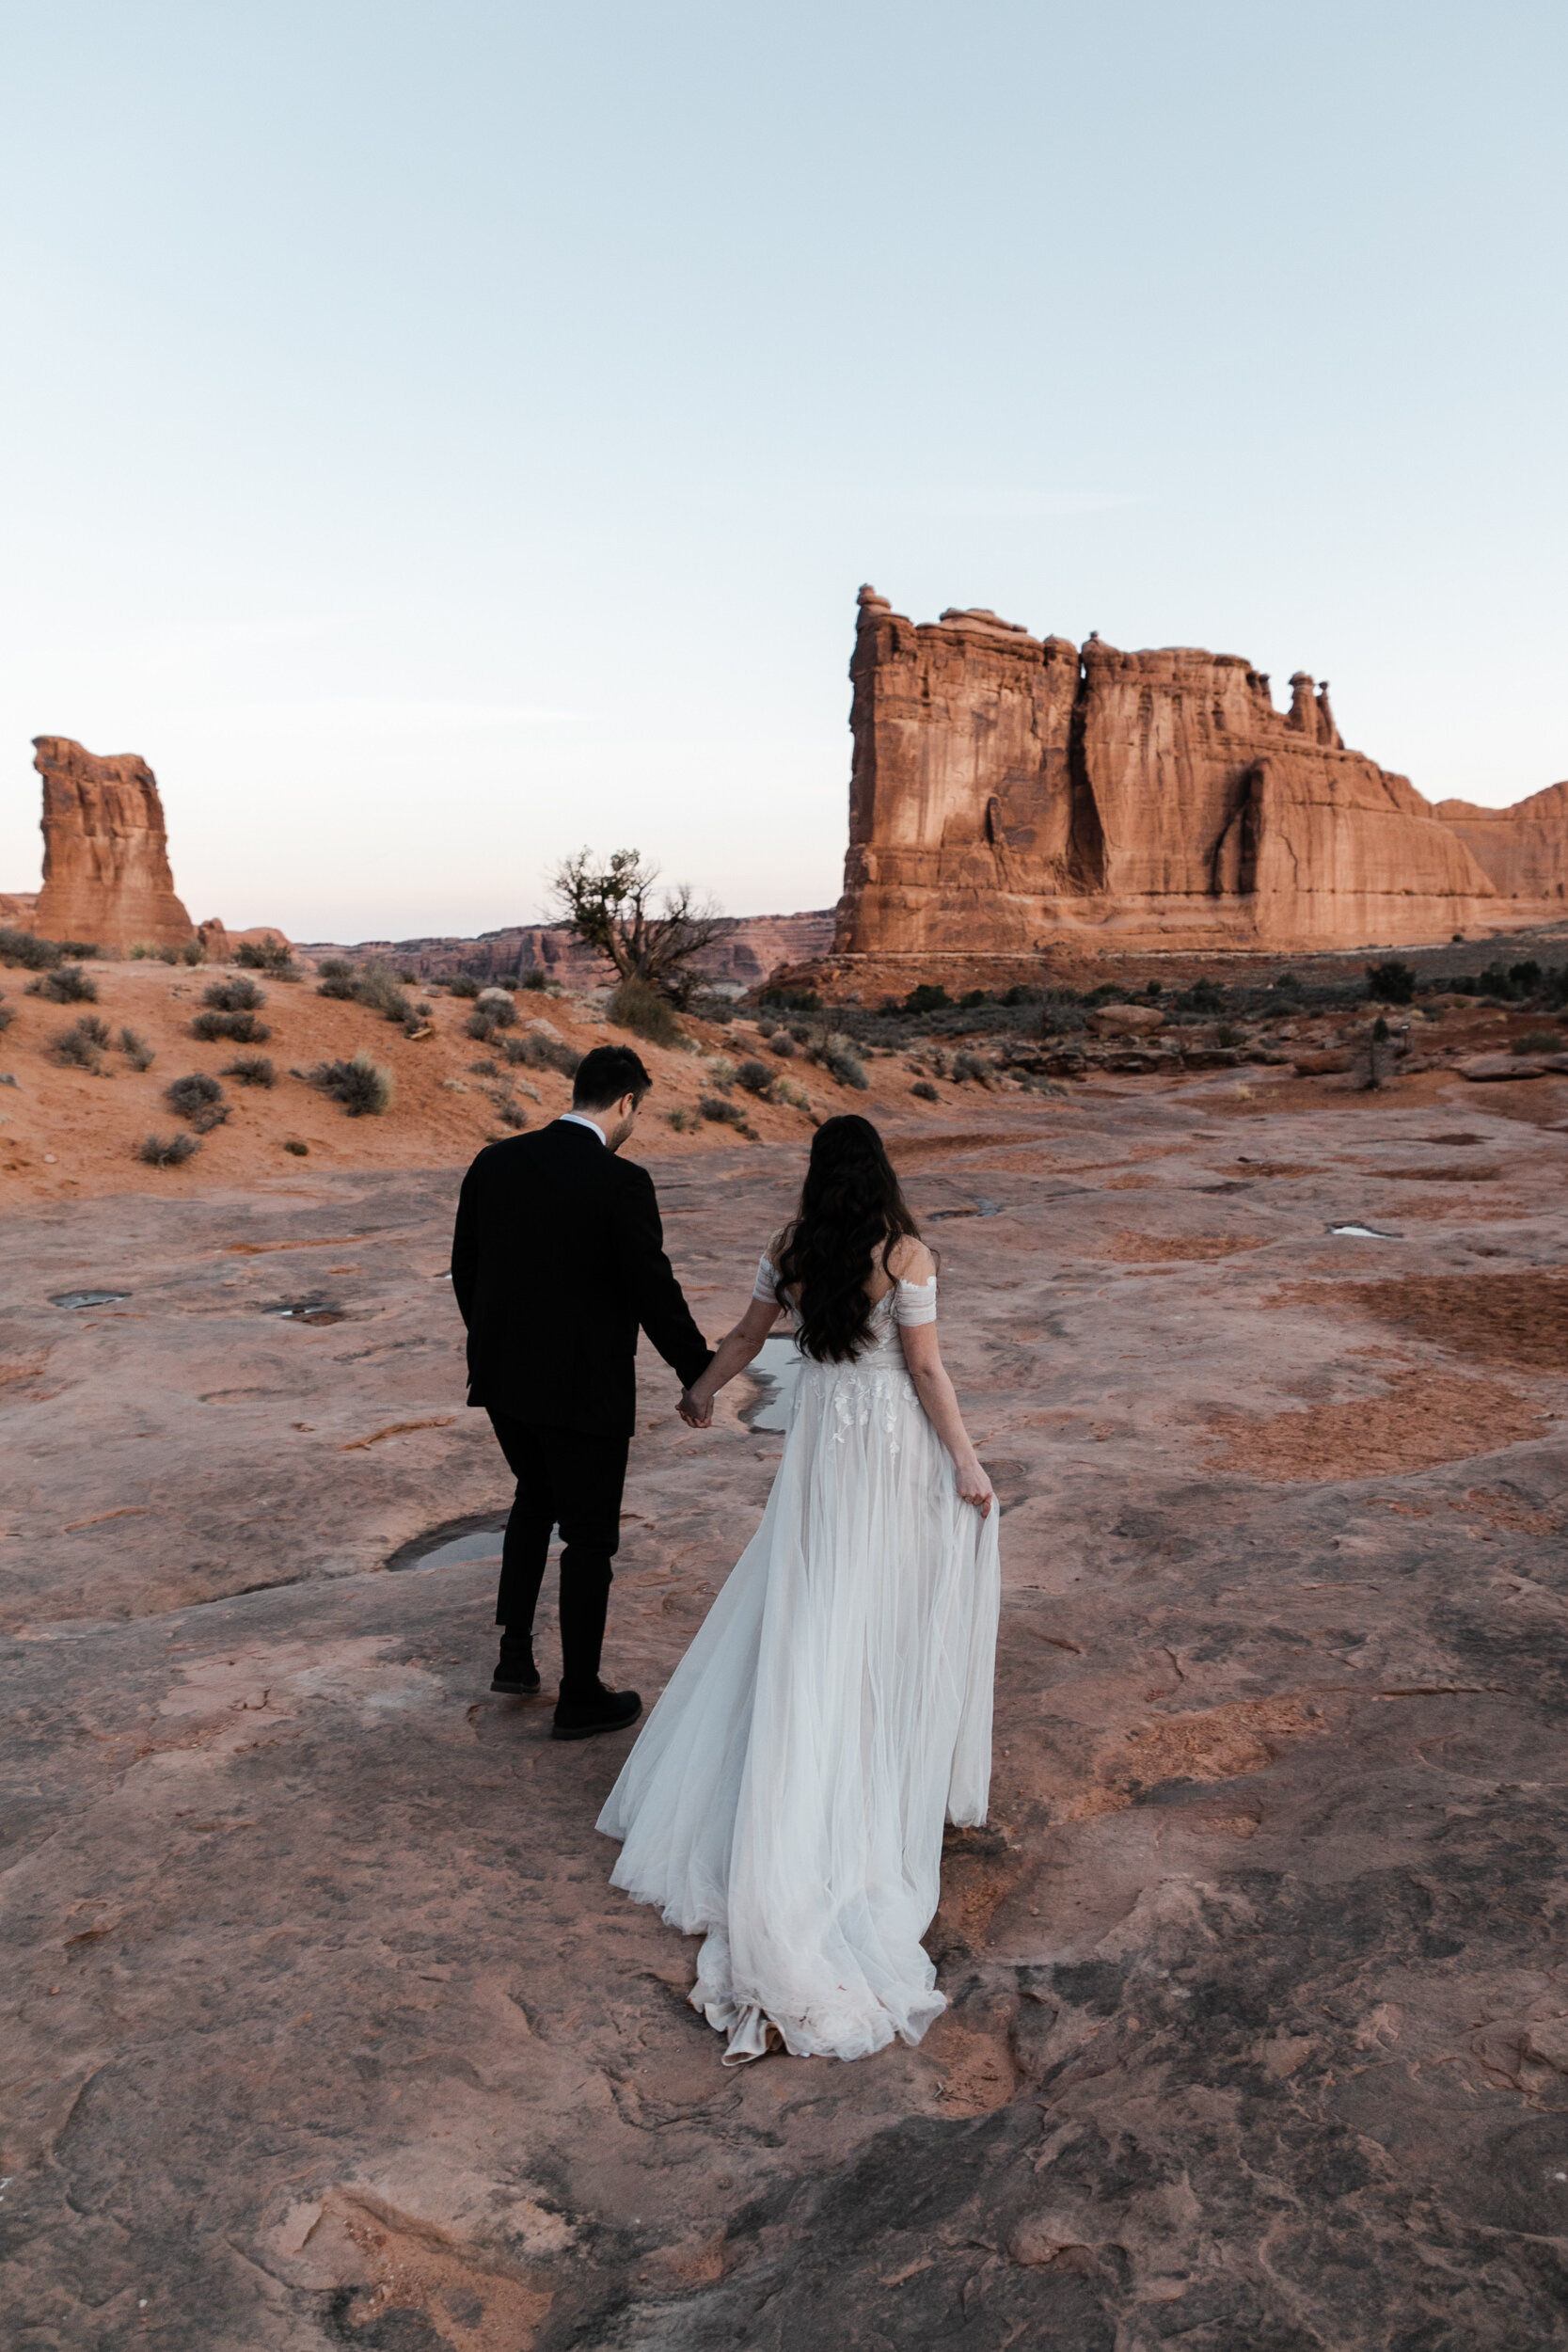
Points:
905	1304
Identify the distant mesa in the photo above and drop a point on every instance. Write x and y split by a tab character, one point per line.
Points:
107	882
1010	792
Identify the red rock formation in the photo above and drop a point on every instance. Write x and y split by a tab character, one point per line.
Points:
1523	850
106	874
1009	790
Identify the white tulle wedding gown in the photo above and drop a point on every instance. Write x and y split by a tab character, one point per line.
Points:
786	1797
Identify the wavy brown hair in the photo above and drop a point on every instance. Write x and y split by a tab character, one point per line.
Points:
850	1209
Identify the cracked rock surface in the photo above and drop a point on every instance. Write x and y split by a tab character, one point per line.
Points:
322	2026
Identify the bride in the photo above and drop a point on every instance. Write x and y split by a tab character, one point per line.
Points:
786	1797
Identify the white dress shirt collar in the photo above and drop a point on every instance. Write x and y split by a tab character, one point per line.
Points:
580	1119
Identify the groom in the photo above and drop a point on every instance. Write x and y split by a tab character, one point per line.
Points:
556	1259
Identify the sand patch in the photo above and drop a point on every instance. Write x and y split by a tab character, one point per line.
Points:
1517	1319
1129	1183
1424	1417
1165	1248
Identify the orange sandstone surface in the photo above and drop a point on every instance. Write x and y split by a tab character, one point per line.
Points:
322	2027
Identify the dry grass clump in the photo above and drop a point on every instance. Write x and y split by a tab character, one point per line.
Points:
239	1028
252	1070
543	1053
641	1009
25	949
66	984
727	1114
200	1099
362	1088
270	953
167	1151
81	1047
136	1049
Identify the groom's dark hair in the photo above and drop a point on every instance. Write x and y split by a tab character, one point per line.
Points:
606	1073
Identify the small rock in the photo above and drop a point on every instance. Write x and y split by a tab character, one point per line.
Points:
1126	1020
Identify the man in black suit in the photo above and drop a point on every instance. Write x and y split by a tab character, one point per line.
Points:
556	1259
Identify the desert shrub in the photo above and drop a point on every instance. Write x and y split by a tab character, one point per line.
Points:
363	1090
720	1074
501	1009
66	984
535	980
239	1028
407	977
727	1114
766	1024
337	980
684	1122
1283	984
755	1076
1538	1042
543	1053
25	950
335	968
193	952
377	988
1204	997
511	1114
839	1060
795	1096
300	1151
800	1033
8	1014
462	984
791	999
969	1066
781	1042
136	1049
84	951
481	1024
166	1150
1020	993
1228	1035
270	953
641	1009
252	1070
1392	982
81	1047
236	995
485	1069
975	996
1526	976
200	1099
925	1091
927	997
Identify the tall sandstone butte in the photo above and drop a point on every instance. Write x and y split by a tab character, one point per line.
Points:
1010	792
1523	850
106	877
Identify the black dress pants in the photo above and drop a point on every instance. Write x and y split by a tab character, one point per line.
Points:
573	1482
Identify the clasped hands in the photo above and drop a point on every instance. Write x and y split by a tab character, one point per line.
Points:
693	1411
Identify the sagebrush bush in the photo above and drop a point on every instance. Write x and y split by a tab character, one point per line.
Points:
66	984
236	995
378	987
535	980
925	1091
1538	1042
795	1096
481	1024
641	1009
500	1009
200	1099
755	1076
252	1070
766	1024
836	1054
270	953
727	1114
166	955
239	1028
81	1047
462	984
1392	982
511	1114
684	1122
137	1050
300	1151
337	980
969	1066
362	1088
335	968
543	1053
167	1151
26	949
193	952
781	1043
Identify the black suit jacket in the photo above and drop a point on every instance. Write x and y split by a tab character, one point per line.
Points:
556	1259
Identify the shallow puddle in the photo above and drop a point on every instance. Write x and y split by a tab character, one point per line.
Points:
775	1368
86	1298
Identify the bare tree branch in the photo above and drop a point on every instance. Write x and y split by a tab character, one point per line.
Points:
611	909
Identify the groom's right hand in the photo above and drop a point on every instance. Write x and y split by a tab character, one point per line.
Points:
694	1415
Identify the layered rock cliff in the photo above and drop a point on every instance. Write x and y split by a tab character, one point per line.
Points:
1523	850
1009	788
106	877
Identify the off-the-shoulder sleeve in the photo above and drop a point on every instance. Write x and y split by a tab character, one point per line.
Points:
766	1287
916	1302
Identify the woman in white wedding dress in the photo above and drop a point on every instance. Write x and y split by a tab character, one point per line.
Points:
786	1797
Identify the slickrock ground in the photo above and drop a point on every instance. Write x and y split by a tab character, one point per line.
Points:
322	2026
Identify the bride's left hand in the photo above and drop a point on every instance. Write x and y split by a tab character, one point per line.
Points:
697	1412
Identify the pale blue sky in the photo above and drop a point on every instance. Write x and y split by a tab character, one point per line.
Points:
439	436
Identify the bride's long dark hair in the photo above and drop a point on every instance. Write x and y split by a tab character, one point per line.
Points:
850	1209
